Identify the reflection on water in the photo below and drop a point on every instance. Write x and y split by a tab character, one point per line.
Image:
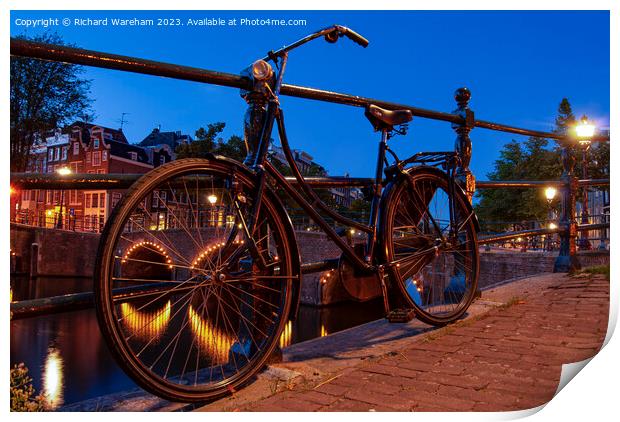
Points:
69	361
145	325
53	378
215	342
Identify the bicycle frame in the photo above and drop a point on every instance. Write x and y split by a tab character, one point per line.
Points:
264	107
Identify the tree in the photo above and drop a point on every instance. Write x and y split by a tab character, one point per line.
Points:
203	144
44	95
565	118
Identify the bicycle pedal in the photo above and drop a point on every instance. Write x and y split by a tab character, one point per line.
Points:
400	315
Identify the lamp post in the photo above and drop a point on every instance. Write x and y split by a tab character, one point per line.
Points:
550	194
585	131
212	200
63	171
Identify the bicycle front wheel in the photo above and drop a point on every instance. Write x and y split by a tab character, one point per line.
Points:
190	306
434	259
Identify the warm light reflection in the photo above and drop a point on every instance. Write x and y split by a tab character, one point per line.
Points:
215	342
287	335
553	226
145	325
53	378
323	331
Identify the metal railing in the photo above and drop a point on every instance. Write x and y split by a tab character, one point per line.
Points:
461	119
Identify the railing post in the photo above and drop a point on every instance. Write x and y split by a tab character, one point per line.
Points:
463	142
462	146
567	259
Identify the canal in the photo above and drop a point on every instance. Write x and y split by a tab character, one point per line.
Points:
68	359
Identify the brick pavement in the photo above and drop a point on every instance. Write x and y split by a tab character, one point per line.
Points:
508	358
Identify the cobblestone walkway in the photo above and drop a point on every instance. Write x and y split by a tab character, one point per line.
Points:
509	358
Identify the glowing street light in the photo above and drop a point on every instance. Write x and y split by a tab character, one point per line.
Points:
585	130
553	226
212	199
64	171
550	193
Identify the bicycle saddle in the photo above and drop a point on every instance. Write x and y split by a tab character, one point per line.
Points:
381	118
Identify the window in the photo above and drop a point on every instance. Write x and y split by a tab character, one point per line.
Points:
24	195
162	159
116	196
76	148
91	172
48	197
57	197
74	167
95	201
87	200
88	155
162	201
64	152
97	158
100	171
104	156
33	195
133	155
155	200
50	154
102	200
56	154
73	194
96	144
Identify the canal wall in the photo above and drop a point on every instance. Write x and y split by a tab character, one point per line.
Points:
45	252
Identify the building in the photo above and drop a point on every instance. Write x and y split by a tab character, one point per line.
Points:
90	149
172	139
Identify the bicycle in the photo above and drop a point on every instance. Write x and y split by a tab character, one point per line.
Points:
198	268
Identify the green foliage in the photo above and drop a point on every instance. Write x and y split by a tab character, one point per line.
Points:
23	397
531	160
207	141
44	95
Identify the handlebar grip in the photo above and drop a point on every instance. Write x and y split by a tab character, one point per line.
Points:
354	36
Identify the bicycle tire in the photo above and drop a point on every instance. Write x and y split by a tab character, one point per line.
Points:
243	294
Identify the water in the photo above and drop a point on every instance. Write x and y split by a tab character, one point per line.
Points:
69	360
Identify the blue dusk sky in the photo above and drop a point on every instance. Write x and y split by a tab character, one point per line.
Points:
518	65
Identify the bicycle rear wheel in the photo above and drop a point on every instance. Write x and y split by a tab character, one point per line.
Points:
188	308
434	261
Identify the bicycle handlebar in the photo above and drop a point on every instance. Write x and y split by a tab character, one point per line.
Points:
331	34
352	35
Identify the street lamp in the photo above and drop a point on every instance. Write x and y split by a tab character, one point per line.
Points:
585	130
63	171
550	193
212	200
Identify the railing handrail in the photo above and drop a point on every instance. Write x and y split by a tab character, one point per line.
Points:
43	51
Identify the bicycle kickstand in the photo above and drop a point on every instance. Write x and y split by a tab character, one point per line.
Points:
393	315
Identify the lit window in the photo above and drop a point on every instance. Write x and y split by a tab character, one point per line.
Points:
104	156
97	158
96	144
56	154
64	152
102	200
76	148
50	154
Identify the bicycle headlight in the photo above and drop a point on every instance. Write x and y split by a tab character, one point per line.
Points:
261	70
